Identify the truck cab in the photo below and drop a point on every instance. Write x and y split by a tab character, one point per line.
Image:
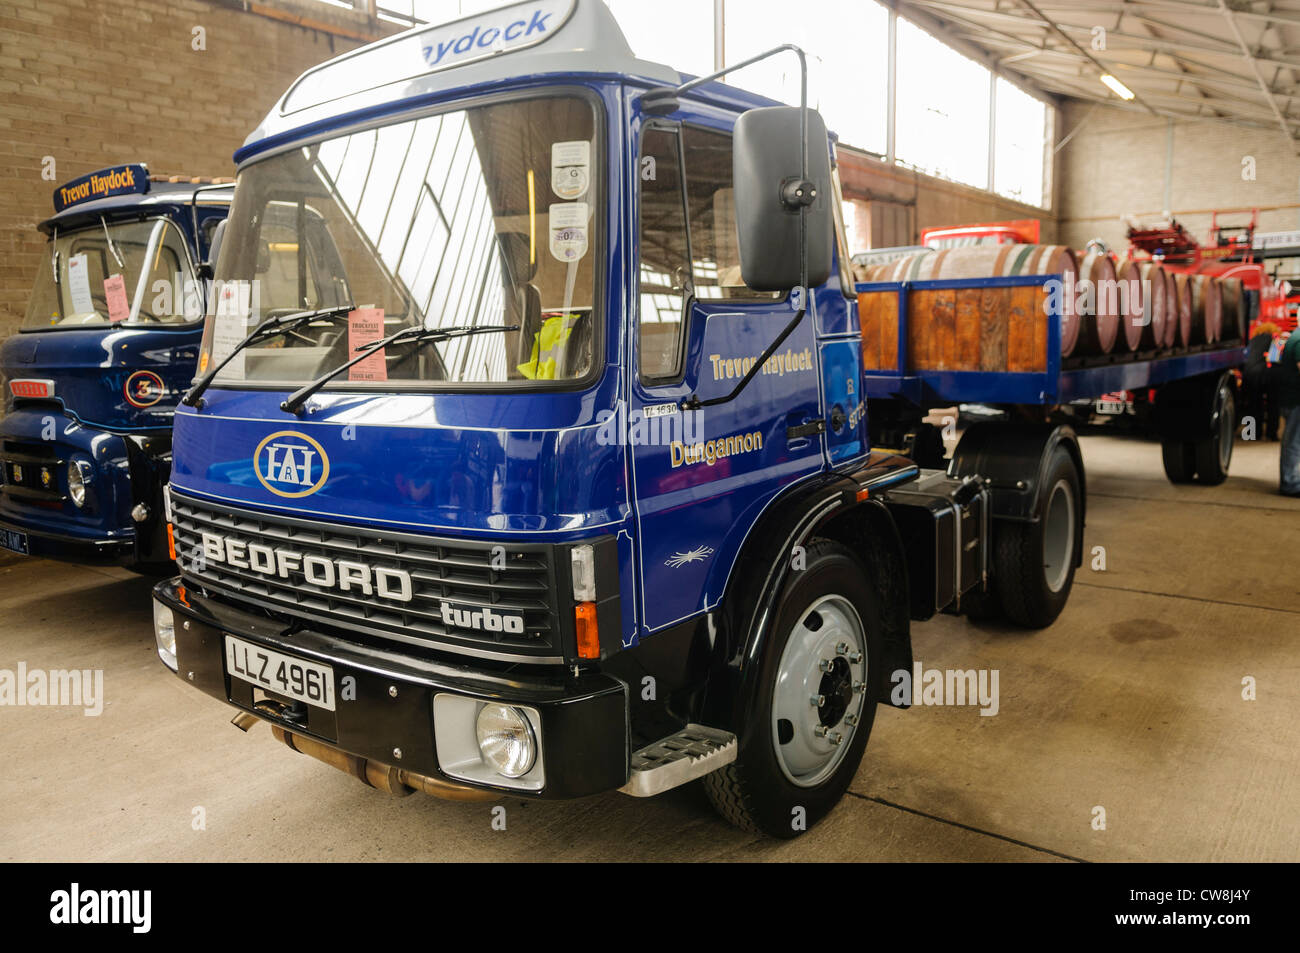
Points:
108	344
536	469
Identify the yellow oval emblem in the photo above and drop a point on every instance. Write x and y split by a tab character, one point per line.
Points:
287	464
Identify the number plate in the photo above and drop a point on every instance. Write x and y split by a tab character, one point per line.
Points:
14	540
286	675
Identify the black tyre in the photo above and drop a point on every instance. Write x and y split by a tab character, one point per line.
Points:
1179	459
1033	566
1214	453
811	712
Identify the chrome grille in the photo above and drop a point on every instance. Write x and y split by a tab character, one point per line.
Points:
519	580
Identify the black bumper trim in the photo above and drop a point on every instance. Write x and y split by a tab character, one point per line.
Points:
584	736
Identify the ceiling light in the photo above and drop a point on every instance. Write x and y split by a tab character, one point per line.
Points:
1116	87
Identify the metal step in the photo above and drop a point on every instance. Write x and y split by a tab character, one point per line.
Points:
691	753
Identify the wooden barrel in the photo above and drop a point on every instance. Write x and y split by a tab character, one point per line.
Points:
981	261
899	270
1155	308
1234	310
1099	324
1183	289
1132	305
1170	340
992	261
1207	309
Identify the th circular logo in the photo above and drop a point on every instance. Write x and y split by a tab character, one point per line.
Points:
292	464
144	389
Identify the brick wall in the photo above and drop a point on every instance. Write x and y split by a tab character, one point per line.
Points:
1115	165
93	84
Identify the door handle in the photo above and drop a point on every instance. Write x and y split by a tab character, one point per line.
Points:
807	429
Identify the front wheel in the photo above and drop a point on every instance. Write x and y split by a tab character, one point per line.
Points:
813	708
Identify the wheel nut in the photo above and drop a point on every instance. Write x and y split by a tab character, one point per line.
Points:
851	720
859	687
817	700
842	648
820	731
855	657
834	737
824	665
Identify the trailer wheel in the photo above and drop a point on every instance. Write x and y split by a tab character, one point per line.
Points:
1214	453
813	709
1034	562
1179	459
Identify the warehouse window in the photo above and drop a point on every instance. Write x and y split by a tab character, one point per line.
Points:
847	46
1019	135
943	109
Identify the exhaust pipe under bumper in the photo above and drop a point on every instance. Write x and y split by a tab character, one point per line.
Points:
384	777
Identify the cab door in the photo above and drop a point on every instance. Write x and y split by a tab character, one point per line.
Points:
701	477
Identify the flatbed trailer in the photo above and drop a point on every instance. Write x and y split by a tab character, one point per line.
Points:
997	341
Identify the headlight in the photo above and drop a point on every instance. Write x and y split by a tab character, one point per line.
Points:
164	633
506	741
76	484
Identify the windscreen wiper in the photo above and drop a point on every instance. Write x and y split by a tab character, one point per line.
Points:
284	324
112	245
416	335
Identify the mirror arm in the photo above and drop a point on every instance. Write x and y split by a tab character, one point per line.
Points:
694	403
796	194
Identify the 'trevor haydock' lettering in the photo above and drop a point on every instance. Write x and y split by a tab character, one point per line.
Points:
96	185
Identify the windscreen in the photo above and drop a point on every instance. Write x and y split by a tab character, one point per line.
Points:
483	218
133	273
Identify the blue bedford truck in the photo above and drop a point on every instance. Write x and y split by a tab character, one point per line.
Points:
108	345
547	470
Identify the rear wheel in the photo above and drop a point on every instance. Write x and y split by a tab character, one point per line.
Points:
1034	562
1214	453
1179	459
813	709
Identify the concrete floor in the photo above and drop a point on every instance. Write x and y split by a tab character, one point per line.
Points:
1131	702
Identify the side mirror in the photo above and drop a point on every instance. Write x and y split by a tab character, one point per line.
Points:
769	199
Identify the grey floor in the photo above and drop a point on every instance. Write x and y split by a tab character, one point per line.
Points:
1131	702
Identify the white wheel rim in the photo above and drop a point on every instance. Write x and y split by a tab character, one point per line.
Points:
1058	535
817	737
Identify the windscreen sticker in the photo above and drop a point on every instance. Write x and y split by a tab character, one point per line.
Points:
231	326
365	326
569	231
79	285
119	309
569	163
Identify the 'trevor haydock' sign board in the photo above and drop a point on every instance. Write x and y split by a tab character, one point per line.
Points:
117	180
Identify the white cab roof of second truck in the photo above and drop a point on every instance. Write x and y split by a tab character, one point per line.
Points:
521	39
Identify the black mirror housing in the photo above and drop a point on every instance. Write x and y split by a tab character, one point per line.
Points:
770	195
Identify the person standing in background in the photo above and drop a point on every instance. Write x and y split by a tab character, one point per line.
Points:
1256	384
1287	373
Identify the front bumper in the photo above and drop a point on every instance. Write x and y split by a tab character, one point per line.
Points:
583	741
43	542
122	472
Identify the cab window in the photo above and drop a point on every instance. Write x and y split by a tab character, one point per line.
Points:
664	267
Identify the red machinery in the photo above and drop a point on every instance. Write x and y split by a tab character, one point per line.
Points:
1023	231
1238	251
